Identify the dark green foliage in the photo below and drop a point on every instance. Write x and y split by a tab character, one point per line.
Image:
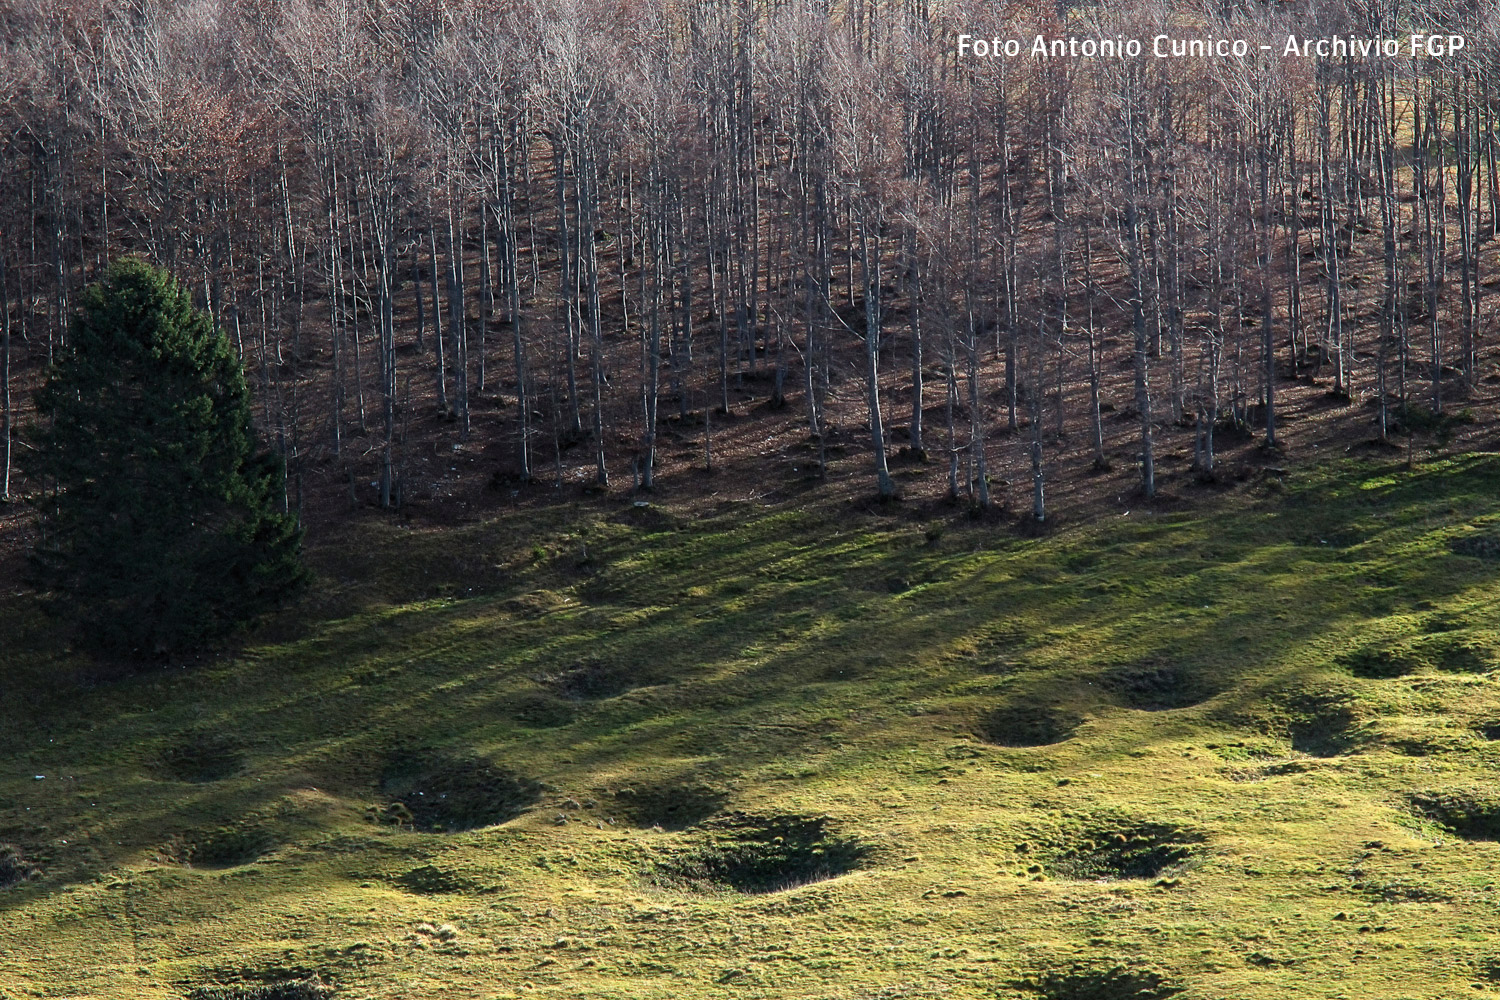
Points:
541	710
1484	544
160	527
594	680
1456	655
1438	426
1323	723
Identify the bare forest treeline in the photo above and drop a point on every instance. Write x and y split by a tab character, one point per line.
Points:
610	212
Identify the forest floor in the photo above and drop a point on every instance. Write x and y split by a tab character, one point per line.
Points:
780	741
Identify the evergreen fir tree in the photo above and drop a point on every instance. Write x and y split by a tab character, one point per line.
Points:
161	526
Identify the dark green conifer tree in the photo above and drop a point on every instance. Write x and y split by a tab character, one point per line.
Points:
161	525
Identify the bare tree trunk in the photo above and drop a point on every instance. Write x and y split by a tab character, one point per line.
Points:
651	329
1265	125
869	247
569	294
1096	419
1134	183
457	311
914	434
336	324
505	232
588	204
6	414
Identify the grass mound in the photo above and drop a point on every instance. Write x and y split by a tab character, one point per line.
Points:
225	846
430	880
443	793
1401	892
1080	981
1456	655
1376	663
1472	814
1450	653
1323	723
761	854
295	989
1126	851
1157	685
202	756
541	710
1478	545
14	868
596	680
1028	725
669	806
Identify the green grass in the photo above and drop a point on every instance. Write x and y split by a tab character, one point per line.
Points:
1269	719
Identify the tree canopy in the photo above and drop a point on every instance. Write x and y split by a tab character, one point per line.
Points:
161	523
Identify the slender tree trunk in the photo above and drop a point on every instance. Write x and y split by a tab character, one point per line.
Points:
869	247
6	416
457	312
914	434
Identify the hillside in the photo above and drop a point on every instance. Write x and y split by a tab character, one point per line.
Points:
763	748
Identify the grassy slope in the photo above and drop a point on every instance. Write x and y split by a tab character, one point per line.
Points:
819	662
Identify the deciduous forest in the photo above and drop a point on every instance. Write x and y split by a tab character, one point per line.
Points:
578	232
